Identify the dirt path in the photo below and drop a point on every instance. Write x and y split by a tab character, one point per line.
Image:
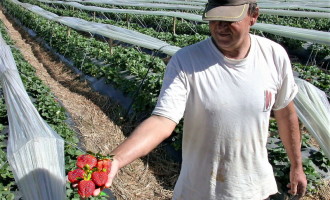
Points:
94	117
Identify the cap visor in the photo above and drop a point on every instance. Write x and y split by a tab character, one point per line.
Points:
226	13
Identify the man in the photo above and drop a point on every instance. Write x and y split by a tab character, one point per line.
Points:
225	87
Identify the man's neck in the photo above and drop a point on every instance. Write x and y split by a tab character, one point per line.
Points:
237	53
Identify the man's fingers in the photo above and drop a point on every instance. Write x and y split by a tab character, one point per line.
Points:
298	183
293	189
112	174
97	192
301	190
298	190
109	182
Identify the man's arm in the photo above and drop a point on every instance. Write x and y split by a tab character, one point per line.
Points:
147	136
288	127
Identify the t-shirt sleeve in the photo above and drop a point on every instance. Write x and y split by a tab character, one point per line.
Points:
287	88
173	95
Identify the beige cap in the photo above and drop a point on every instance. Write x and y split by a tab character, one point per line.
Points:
226	10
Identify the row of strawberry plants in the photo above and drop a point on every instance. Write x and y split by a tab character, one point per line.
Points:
313	74
316	76
179	40
189	27
49	109
125	68
184	27
165	24
281	164
7	183
188	32
322	81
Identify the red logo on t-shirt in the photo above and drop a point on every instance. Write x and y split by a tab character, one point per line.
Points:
268	100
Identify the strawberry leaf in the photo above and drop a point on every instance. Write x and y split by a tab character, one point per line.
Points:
103	194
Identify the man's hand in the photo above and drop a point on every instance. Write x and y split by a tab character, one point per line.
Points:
113	171
298	182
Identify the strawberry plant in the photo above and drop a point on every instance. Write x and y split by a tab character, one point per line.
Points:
281	166
3	111
7	184
320	160
319	51
313	74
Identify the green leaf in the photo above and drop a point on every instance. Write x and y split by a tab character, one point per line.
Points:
103	194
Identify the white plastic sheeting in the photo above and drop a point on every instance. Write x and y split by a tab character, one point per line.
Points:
319	37
109	31
143	4
184	15
316	5
307	5
34	151
313	110
136	38
292	7
295	13
183	2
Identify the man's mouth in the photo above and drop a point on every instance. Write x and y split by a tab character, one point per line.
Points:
224	34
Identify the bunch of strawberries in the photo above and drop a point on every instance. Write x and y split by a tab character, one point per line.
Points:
92	173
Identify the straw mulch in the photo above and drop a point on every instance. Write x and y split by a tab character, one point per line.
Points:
100	127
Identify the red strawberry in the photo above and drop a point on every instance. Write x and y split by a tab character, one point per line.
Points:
76	175
86	188
86	159
99	178
104	165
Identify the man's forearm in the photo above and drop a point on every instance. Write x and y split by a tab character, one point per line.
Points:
288	127
148	135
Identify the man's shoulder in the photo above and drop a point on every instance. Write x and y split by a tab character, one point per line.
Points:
262	39
265	44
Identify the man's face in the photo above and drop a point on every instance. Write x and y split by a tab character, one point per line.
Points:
230	36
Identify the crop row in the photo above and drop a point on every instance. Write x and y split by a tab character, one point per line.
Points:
147	27
189	32
125	68
321	24
101	52
313	74
49	109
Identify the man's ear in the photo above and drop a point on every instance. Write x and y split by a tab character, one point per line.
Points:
253	21
254	16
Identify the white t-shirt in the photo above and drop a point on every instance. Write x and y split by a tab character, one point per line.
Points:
226	106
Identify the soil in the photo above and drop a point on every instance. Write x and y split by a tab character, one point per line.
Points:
99	125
